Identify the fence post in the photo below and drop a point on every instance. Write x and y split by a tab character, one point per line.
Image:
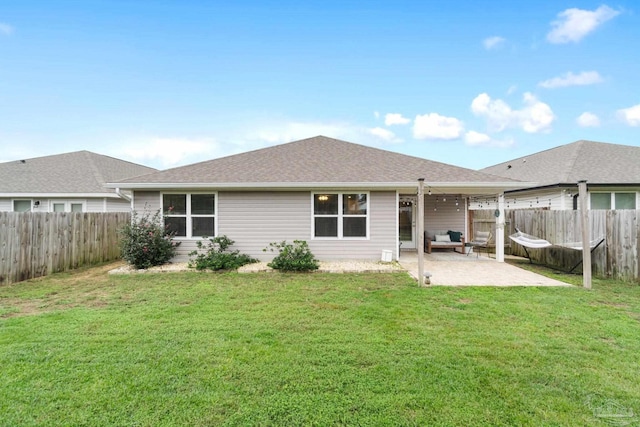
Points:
420	232
586	247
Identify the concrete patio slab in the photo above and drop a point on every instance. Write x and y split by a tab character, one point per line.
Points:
454	269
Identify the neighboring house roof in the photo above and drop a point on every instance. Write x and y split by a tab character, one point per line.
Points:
317	160
79	172
597	162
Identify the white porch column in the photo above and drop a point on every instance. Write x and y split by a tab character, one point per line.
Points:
500	229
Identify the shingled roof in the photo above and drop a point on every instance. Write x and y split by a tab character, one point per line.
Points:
79	172
597	162
320	160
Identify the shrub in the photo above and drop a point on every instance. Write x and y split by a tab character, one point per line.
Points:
145	241
292	257
217	257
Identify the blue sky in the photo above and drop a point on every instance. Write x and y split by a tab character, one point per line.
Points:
167	83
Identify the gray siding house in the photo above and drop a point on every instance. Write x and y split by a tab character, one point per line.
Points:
69	182
348	201
612	173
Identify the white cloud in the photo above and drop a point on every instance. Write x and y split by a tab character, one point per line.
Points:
277	133
569	79
376	114
272	133
512	89
168	152
435	126
494	42
574	24
395	119
588	119
534	117
6	29
384	134
631	115
497	112
476	138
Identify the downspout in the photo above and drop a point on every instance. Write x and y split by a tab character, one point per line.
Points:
125	197
122	195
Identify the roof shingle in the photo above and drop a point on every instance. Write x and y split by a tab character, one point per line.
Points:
76	172
597	162
316	160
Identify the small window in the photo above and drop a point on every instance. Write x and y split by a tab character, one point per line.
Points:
190	215
340	215
22	205
625	200
600	200
66	206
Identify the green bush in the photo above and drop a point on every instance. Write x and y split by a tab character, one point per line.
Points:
145	241
292	257
217	257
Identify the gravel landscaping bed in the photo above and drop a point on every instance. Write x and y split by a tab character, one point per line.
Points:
261	267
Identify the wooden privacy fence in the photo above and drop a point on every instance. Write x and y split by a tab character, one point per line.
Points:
37	244
617	257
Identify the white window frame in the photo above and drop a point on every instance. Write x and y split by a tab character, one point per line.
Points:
612	195
340	216
189	216
67	204
13	204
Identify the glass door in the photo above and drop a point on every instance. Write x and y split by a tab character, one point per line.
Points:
407	222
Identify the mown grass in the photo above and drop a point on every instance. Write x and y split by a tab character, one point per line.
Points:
312	349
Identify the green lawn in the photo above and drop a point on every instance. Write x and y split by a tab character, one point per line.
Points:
202	349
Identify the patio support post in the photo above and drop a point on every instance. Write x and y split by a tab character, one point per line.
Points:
500	221
420	232
586	250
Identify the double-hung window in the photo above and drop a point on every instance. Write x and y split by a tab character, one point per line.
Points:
190	215
340	215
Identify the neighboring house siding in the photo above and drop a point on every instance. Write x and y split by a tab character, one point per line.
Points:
446	216
554	199
5	205
90	204
118	205
255	219
93	205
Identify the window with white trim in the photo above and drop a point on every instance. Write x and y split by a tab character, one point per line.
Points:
340	215
22	205
190	214
66	206
613	200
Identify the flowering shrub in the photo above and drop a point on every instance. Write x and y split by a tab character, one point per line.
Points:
292	257
145	241
217	256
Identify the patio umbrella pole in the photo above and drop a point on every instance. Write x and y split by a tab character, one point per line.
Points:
421	231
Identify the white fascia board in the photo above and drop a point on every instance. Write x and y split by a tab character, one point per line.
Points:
460	186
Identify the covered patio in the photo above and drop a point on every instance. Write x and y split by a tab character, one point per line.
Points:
455	269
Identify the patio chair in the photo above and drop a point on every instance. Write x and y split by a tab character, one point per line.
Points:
481	239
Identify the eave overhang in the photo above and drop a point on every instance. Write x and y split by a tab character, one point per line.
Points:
453	187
